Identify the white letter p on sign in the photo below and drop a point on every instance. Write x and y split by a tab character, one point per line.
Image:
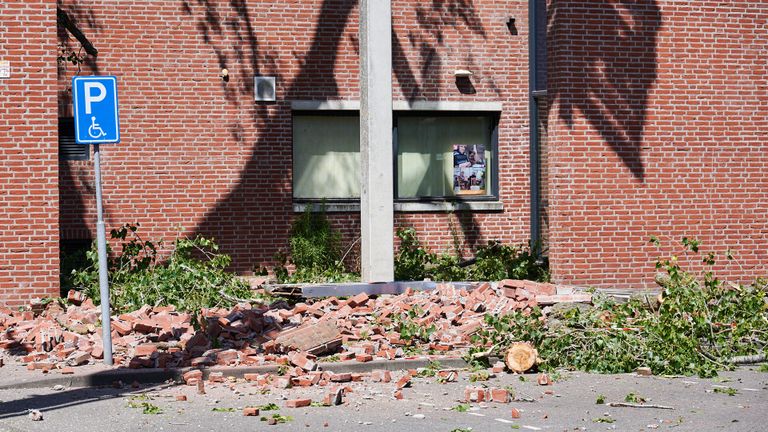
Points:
89	98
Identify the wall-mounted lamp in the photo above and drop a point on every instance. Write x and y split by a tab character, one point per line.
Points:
463	81
224	74
511	26
462	73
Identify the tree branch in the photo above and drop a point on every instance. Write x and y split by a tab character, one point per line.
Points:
63	20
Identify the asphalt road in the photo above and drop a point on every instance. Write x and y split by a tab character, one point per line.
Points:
567	405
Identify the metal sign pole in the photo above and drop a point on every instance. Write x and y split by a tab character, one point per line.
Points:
101	240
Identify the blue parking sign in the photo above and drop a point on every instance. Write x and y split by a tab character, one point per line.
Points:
95	107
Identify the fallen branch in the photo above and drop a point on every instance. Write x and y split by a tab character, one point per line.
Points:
633	405
751	359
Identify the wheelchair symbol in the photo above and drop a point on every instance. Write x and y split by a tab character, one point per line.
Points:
95	131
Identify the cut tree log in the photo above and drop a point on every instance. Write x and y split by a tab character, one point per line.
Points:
520	357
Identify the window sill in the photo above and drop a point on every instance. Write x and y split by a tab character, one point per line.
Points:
405	207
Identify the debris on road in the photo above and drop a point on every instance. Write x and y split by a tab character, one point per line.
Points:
55	335
35	415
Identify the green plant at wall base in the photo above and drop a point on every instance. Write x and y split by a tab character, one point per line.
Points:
315	252
411	259
192	277
493	262
699	326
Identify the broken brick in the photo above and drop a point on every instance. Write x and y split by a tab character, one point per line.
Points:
363	358
193	374
250	411
298	403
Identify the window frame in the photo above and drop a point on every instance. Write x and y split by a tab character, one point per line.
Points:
493	193
318	113
474	203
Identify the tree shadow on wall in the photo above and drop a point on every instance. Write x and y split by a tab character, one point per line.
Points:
249	218
606	56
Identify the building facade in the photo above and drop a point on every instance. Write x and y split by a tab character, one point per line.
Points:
650	117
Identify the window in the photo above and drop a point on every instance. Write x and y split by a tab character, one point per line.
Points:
68	148
326	156
440	156
445	156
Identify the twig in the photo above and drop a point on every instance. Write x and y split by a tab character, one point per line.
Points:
349	249
239	300
633	405
487	353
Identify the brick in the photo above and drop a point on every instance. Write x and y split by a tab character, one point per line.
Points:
341	377
192	374
543	379
301	360
363	358
404	381
121	327
181	398
145	349
379	375
500	395
250	411
358	300
298	403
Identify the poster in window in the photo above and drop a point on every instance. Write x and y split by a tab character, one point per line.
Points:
469	169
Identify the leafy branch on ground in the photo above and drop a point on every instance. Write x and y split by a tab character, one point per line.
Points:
315	252
192	277
698	326
494	261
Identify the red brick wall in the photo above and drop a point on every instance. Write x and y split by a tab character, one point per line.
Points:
29	200
199	154
658	126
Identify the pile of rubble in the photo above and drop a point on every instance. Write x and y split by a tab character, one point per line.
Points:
52	337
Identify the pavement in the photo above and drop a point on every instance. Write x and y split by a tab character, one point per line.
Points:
734	401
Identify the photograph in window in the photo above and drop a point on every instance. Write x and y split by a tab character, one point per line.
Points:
469	169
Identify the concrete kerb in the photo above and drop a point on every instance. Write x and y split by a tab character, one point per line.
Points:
157	376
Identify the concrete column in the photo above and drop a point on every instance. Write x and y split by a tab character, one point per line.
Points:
376	193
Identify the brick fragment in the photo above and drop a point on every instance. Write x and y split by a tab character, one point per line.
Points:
499	395
145	349
363	358
216	377
403	382
380	375
181	398
543	379
301	360
358	300
298	403
250	411
193	374
341	377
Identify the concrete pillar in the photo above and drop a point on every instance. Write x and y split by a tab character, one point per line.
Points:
376	193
